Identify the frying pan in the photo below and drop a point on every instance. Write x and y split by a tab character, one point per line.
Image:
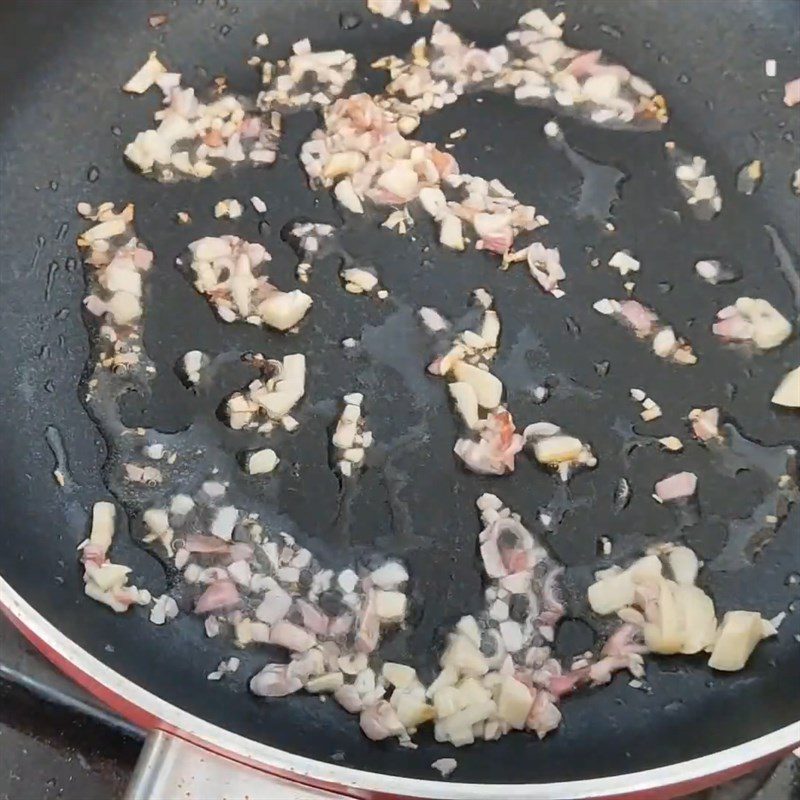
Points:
63	128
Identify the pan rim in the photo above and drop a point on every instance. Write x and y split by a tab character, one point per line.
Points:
130	699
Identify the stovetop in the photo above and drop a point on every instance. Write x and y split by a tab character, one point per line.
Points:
56	741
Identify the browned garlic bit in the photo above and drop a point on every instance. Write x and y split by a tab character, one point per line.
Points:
650	409
557	450
104	581
119	262
752	320
699	188
788	392
403	10
191	135
226	271
350	439
287	87
362	154
534	64
268	400
673	614
644	322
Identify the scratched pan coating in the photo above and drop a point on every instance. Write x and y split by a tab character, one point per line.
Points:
62	66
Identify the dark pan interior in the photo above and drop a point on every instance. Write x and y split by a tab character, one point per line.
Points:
62	64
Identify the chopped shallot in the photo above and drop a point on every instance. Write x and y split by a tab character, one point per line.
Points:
445	766
698	187
103	581
754	320
191	135
645	324
705	423
226	270
791	96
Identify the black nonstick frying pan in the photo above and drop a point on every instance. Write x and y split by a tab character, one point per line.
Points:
63	126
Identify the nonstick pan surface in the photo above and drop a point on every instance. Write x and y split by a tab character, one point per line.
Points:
64	125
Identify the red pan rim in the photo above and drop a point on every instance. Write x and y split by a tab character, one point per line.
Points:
150	712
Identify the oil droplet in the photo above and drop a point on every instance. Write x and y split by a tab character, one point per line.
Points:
792	579
44	351
62	231
40	243
684	78
224	30
611	30
222	3
92	174
116	130
348	21
599	182
786	265
602	368
62	313
49	386
54	186
664	287
793	606
572	326
51	274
